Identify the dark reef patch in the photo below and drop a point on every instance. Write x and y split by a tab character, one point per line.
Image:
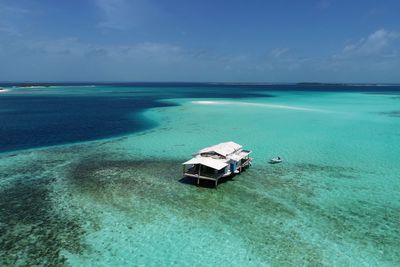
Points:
395	113
104	179
367	224
302	169
326	171
31	232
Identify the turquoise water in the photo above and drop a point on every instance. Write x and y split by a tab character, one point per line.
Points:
121	200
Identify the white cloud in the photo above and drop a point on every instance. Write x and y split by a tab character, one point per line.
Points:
73	59
375	58
114	14
11	18
124	14
278	52
375	43
324	4
74	48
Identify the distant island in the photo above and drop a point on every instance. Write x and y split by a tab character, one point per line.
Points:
313	85
335	84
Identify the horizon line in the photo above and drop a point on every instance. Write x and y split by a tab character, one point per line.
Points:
200	82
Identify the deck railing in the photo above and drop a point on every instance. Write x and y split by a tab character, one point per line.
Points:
246	162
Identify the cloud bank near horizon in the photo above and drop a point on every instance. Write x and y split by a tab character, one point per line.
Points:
115	44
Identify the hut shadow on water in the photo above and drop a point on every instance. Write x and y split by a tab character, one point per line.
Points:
205	183
208	183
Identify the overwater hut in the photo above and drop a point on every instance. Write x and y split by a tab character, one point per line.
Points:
214	162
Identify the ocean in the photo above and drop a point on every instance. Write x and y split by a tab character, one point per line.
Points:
91	175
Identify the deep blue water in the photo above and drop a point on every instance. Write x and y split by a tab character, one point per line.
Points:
29	120
34	121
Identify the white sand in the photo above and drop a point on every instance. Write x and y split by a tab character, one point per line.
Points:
255	105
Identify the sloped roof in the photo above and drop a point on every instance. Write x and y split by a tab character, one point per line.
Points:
223	149
206	161
238	156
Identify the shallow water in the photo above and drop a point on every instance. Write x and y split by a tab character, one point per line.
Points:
122	200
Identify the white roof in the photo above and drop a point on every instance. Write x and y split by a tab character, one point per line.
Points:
223	149
209	162
240	155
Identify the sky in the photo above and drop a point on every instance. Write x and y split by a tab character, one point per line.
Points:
200	41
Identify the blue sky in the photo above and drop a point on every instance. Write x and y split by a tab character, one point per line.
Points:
178	40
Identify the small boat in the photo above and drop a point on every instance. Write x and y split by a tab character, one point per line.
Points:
275	160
